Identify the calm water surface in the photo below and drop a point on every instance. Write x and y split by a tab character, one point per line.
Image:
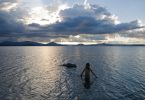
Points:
34	73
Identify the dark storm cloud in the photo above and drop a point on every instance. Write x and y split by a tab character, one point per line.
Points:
137	33
34	25
88	19
94	11
8	24
89	25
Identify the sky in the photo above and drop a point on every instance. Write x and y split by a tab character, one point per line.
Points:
73	21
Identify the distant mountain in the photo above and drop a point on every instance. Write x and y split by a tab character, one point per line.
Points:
53	44
27	43
80	45
30	43
108	44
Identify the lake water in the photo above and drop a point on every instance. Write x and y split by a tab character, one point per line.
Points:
34	73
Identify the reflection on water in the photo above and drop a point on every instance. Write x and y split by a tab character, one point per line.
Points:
33	73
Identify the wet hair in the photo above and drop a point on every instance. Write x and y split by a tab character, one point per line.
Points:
87	65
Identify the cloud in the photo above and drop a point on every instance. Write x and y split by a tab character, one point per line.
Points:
89	19
76	11
7	5
62	21
8	20
137	33
8	24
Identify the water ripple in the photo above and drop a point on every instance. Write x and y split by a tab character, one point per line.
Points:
33	73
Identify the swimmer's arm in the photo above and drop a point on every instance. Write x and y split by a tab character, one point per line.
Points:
82	72
93	73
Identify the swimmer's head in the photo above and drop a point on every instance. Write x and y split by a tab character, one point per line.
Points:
87	65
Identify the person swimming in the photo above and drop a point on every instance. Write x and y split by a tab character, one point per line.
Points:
87	70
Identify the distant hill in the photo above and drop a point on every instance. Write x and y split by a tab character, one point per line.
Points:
30	43
53	44
106	44
27	43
